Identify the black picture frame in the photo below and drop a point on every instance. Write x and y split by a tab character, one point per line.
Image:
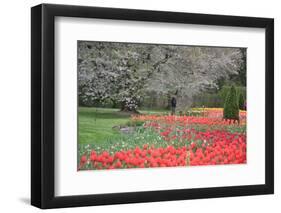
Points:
43	105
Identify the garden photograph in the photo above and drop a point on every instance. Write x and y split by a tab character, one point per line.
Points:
143	105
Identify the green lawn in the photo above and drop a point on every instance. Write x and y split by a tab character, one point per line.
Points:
95	124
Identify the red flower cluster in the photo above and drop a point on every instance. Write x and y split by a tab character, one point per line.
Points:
208	148
220	153
185	120
140	158
212	116
218	113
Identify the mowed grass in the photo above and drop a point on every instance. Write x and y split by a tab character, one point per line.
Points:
95	124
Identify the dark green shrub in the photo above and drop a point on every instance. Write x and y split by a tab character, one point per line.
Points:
217	98
225	90
207	100
241	101
231	109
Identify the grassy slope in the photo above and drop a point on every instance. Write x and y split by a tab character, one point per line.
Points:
95	124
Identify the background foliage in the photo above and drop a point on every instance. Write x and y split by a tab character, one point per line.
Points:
129	76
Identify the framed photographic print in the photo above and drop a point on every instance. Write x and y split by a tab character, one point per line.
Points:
139	106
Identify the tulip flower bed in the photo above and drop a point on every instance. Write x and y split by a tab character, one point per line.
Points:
229	150
168	141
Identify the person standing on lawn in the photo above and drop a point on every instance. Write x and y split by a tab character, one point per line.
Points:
173	105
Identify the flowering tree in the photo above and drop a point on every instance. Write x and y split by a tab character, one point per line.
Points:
123	72
116	71
192	70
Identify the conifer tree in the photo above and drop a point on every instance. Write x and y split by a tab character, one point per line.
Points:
231	109
241	101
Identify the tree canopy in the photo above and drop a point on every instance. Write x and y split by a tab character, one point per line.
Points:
124	72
